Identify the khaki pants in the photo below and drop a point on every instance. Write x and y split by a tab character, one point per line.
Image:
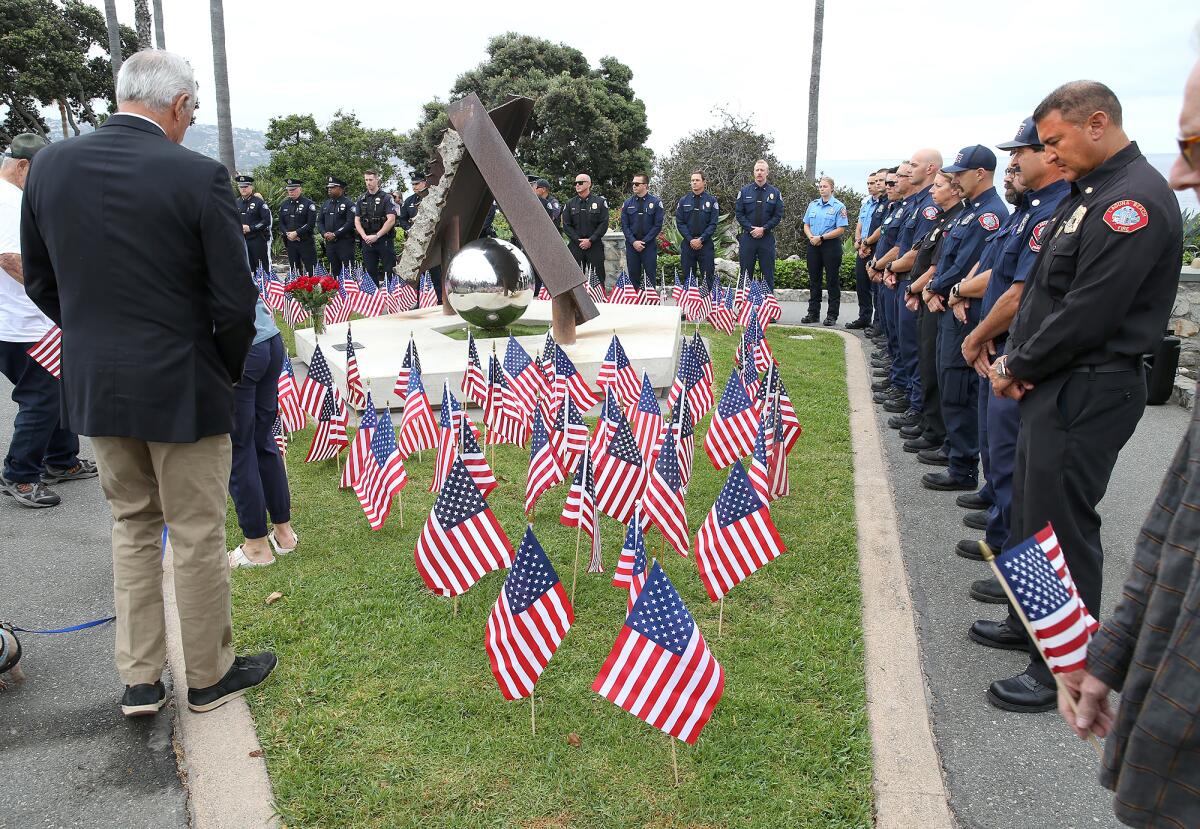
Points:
185	485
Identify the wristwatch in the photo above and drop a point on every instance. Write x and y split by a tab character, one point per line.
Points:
1001	366
954	290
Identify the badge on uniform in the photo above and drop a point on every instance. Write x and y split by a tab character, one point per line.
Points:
989	221
1126	216
929	212
707	204
312	207
1021	226
593	205
966	221
770	197
1035	238
1072	224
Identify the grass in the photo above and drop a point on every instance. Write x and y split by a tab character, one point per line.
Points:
383	711
517	330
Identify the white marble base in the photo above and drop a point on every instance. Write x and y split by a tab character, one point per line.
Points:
650	334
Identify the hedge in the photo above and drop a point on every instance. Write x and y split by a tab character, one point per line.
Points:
789	273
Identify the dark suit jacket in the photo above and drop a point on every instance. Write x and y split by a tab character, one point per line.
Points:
131	243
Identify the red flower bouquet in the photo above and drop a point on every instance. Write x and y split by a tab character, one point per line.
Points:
313	293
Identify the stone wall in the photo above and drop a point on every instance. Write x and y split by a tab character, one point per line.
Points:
1185	324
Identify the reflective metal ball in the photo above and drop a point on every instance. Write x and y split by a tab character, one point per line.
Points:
490	283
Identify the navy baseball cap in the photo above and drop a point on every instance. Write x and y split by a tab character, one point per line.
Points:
1027	136
972	158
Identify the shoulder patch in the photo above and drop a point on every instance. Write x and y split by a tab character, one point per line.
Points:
989	221
930	212
842	213
1126	216
1035	238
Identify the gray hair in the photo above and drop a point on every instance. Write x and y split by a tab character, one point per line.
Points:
1077	100
154	79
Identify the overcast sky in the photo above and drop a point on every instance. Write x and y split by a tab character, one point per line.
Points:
962	73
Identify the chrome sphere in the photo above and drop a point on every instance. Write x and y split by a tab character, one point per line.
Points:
490	283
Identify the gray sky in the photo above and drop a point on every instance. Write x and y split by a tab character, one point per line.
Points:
306	56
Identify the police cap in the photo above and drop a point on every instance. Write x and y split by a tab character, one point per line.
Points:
416	176
244	180
972	158
293	182
1027	136
541	182
334	181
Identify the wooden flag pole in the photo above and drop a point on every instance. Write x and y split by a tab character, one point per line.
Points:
456	607
991	560
674	760
532	716
575	570
720	616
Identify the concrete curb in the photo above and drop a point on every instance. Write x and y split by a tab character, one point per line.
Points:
909	787
220	759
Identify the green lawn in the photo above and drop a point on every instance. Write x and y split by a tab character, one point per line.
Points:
383	711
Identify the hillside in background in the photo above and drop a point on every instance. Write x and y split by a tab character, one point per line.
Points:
248	145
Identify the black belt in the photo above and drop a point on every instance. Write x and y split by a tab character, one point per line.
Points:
1113	366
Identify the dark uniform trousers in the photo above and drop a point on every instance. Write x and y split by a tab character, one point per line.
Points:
928	323
887	314
824	262
258	253
340	253
302	255
865	290
38	441
762	251
1073	426
644	263
999	424
592	258
257	480
702	263
380	258
906	365
958	385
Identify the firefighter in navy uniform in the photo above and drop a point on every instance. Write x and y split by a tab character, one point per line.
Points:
758	210
641	222
585	221
256	224
297	221
696	217
374	220
335	223
1097	298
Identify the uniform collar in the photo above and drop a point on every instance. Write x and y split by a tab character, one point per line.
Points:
954	210
698	196
1054	188
1120	159
986	195
926	192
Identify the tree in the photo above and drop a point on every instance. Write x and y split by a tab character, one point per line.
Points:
114	37
216	22
301	149
141	17
726	153
814	86
584	119
160	37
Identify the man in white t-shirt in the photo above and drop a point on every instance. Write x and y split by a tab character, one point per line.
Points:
40	452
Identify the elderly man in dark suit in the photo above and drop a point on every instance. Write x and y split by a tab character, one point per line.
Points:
152	291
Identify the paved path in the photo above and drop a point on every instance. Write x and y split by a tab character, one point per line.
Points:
1015	771
67	756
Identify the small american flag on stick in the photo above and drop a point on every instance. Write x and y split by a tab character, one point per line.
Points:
383	475
631	567
731	432
330	437
47	352
545	471
360	447
737	538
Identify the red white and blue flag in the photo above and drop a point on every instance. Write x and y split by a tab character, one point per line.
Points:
623	292
788	424
354	385
631	567
316	383
730	435
569	436
663	499
545	469
620	473
372	300
290	409
525	382
427	298
645	418
617	372
474	386
721	317
418	429
567	378
330	437
737	538
579	510
47	352
411	362
360	447
383	474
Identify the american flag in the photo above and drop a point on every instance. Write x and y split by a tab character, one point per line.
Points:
418	429
779	484
338	308
545	360
677	290
623	292
660	669
649	295
770	311
289	398
764	474
360	447
684	374
354	386
473	458
754	343
704	361
502	427
543	294
569	434
737	537
605	423
474	387
294	313
731	433
383	475
405	295
595	287
696	303
620	473
449	422
274	296
1048	599
330	437
740	294
47	352
412	360
530	619
428	297
754	300
371	300
663	499
645	418
280	436
1049	542
350	282
616	371
525	382
721	317
750	379
631	567
685	439
789	423
700	377
579	510
316	383
567	378
461	540
545	470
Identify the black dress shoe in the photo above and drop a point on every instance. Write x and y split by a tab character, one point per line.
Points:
870	331
972	500
998	635
896	405
972	549
1022	694
880	355
880	362
976	520
144	699
989	591
909	418
808	318
933	457
881	372
912	432
944	481
245	673
918	444
854	325
881	385
829	321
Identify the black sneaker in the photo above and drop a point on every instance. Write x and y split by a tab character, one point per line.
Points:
808	318
143	700
81	470
245	673
34	496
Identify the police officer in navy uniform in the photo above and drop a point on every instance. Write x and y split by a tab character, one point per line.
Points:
825	222
585	221
374	221
553	209
759	210
407	212
488	231
335	223
297	222
641	222
256	224
696	217
1097	298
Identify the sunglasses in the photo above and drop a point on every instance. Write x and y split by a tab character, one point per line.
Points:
903	175
1189	148
889	184
580	183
